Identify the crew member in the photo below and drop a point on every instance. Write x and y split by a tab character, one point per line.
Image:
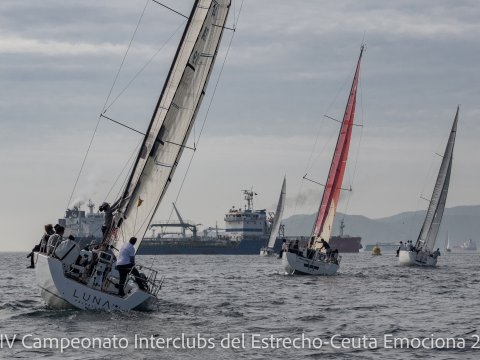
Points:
42	246
126	264
108	219
325	246
55	239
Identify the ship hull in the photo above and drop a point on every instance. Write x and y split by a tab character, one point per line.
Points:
346	244
189	247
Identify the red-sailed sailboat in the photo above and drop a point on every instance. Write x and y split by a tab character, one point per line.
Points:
316	258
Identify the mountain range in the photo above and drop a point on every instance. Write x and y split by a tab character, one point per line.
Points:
461	222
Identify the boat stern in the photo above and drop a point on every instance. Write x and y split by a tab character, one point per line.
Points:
45	268
412	258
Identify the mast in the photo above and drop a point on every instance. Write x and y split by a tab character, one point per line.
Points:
328	205
171	121
278	215
433	219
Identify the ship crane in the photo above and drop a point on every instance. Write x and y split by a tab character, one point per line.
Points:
180	224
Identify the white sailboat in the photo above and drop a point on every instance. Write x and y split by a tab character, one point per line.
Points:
86	280
268	249
448	248
309	259
423	254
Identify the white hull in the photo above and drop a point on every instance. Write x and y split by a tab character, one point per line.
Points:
412	258
295	264
61	292
266	251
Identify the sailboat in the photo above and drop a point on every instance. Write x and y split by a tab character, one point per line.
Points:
310	259
448	248
423	254
87	279
268	249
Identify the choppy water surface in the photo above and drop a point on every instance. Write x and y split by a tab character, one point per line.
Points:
217	295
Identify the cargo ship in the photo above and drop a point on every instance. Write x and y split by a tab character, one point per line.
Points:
345	243
86	227
246	231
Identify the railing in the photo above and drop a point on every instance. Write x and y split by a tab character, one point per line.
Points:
317	256
150	278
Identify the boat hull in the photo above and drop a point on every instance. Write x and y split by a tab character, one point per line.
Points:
412	258
247	246
266	251
299	265
61	292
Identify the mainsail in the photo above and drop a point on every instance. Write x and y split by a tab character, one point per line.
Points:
278	216
433	219
331	194
172	120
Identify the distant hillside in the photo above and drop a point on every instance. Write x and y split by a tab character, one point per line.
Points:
462	223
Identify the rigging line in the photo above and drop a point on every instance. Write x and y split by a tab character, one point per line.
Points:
218	79
298	197
332	118
238	16
121	172
360	138
106	101
119	123
355	166
125	55
311	162
169	8
207	113
137	74
410	217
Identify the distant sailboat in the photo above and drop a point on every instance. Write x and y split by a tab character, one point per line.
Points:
88	280
448	248
423	254
268	249
310	260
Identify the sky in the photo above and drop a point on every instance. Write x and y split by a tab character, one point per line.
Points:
286	66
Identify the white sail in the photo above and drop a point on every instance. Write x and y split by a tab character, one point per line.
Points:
172	120
328	225
431	225
278	216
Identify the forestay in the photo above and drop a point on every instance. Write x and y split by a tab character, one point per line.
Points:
172	120
433	219
278	216
331	194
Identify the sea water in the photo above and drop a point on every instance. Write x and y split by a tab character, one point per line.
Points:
243	307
